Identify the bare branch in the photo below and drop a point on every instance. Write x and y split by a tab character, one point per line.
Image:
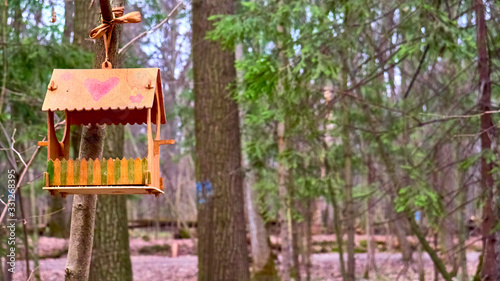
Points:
145	33
21	178
13	149
33	271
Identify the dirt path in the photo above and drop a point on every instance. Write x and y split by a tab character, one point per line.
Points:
325	267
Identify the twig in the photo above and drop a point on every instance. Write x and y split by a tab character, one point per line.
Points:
25	234
124	48
13	149
45	215
21	178
417	72
4	57
33	271
10	156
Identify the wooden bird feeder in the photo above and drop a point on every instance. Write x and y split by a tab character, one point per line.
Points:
104	96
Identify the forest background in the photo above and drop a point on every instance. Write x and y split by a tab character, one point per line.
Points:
357	117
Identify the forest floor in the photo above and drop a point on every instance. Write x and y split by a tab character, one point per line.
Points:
152	261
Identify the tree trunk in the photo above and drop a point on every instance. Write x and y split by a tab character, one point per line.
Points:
111	252
284	213
370	242
349	209
83	213
336	218
17	21
445	183
69	9
58	226
34	238
262	258
489	266
258	234
92	144
295	226
85	19
222	247
462	217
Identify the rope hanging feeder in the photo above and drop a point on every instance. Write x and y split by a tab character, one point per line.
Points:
105	29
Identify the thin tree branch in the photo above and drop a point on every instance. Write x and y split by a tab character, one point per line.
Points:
106	11
21	177
124	48
417	72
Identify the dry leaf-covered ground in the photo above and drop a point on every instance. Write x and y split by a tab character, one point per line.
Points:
184	267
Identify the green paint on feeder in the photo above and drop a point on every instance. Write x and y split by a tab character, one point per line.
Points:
64	169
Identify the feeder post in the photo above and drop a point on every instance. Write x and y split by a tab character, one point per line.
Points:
54	148
66	138
149	133
106	11
84	206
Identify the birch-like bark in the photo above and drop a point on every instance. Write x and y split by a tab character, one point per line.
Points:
84	206
83	212
260	250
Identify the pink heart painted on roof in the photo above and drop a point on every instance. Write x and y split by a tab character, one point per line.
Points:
99	89
136	99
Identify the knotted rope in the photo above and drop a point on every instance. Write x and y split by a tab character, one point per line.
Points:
106	28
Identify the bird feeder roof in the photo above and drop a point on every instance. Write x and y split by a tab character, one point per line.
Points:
106	96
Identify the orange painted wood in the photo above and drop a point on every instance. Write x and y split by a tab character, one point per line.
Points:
57	172
137	171
65	143
157	143
155	174
101	89
117	189
150	141
83	172
111	176
46	177
156	150
69	173
157	117
54	148
97	172
123	171
86	96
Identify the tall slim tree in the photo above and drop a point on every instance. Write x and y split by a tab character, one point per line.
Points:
69	9
83	212
81	20
489	266
111	252
222	247
84	206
